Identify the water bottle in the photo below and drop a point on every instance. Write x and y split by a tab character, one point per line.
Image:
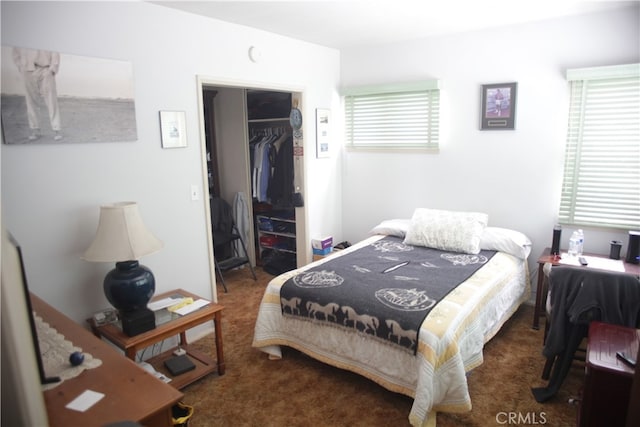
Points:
580	242
574	244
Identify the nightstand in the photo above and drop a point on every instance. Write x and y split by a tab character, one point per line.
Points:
319	257
607	385
173	325
541	290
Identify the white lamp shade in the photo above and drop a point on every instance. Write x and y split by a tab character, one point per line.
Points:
121	235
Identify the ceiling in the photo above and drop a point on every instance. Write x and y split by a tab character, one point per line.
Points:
351	23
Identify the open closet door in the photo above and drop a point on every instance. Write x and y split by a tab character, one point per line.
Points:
232	158
238	116
208	105
298	183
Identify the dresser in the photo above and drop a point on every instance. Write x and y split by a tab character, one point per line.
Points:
130	393
607	386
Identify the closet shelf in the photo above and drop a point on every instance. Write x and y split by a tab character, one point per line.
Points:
278	217
277	249
282	119
275	233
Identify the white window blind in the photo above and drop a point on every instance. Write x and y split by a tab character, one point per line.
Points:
601	184
393	117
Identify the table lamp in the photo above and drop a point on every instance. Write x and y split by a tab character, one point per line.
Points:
123	238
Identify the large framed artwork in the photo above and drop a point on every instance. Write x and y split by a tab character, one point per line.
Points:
499	106
52	97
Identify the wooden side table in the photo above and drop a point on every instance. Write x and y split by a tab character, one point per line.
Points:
176	325
541	290
607	385
319	257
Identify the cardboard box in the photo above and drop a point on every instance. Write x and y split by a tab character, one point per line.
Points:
324	251
323	243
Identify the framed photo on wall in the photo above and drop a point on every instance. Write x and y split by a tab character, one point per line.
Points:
323	122
499	106
173	129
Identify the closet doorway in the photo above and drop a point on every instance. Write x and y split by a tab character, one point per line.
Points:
234	118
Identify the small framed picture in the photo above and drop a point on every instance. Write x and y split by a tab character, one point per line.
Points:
323	123
173	129
499	106
105	317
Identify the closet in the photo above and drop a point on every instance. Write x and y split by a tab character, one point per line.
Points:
250	150
272	170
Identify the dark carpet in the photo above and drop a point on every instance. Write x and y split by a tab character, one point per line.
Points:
299	391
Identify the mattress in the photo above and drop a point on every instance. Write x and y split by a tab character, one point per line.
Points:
450	340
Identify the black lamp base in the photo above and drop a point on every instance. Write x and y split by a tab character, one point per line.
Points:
129	286
137	321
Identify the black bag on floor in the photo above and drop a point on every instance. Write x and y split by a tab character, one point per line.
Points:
276	262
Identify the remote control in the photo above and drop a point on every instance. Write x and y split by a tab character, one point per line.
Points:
626	359
582	260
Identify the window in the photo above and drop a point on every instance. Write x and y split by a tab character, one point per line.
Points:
601	184
393	117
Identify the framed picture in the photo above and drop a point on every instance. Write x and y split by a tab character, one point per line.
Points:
499	106
173	129
80	99
323	122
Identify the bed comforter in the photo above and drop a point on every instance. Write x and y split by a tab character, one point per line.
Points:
450	339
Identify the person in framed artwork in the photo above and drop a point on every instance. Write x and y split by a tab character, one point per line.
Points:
499	97
39	69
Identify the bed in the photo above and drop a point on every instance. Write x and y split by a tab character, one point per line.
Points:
450	338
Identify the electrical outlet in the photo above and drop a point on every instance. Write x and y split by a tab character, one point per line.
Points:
195	194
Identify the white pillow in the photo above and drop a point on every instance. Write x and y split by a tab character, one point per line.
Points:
506	240
447	230
392	227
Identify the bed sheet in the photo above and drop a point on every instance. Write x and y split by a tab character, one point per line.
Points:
450	340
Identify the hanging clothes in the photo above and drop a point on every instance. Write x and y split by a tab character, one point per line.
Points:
281	190
260	167
264	171
264	151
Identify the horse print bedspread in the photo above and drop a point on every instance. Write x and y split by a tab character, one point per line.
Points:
385	289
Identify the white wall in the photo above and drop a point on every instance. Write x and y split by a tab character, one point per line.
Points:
514	176
51	193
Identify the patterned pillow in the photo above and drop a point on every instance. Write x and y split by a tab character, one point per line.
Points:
447	230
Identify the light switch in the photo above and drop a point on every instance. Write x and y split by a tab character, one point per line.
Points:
195	194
